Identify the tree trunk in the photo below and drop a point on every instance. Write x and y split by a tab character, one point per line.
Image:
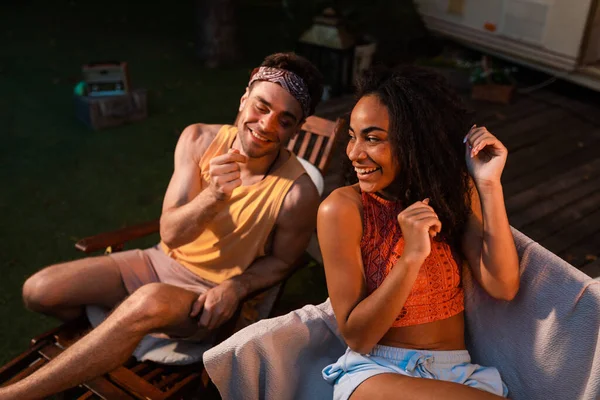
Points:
216	41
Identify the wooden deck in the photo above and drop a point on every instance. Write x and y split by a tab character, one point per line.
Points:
552	177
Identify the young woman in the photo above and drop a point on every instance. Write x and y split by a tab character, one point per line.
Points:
428	198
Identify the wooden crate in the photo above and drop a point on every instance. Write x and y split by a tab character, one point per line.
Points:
106	112
106	79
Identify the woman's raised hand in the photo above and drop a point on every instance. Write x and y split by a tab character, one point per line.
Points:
485	155
419	223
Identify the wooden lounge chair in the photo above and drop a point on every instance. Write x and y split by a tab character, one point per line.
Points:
150	380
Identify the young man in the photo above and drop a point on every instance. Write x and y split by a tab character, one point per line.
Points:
238	211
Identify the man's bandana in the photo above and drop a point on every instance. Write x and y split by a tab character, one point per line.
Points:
288	80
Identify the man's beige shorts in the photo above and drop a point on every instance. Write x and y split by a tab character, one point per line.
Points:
140	267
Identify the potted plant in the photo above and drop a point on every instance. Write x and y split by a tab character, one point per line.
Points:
490	83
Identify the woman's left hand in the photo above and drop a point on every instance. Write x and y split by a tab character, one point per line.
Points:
485	154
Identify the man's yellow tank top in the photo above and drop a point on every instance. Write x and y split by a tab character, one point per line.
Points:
238	234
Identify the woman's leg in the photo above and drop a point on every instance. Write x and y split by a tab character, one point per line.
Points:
396	386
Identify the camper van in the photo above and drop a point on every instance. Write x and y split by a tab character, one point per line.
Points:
559	37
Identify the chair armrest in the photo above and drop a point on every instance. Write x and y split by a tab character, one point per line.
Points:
118	237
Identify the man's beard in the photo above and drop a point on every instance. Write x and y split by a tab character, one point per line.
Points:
254	152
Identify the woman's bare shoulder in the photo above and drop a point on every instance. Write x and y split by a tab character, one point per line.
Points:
341	202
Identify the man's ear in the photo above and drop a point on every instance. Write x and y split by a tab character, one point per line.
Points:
244	98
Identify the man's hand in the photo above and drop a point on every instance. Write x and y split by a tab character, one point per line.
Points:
224	173
217	305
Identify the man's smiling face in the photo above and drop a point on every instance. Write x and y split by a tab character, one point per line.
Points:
269	117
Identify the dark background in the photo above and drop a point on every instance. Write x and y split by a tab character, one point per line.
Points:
62	181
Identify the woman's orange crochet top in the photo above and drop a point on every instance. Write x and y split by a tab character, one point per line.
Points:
437	292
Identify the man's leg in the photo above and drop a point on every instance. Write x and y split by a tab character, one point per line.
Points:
155	307
62	290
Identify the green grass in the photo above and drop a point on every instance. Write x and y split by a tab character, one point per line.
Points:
62	181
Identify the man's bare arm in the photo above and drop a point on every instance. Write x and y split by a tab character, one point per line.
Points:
187	209
293	229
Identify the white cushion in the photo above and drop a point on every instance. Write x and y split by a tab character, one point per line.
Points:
314	174
157	349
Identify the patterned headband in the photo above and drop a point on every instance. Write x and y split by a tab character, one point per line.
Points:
288	80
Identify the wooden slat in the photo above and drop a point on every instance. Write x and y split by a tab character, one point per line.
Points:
551	150
311	127
592	269
315	150
576	213
139	367
338	130
21	362
87	395
180	378
564	181
502	115
554	128
100	386
486	113
152	374
104	240
134	384
326	159
524	125
304	145
584	252
106	390
320	126
531	178
50	351
48	335
37	364
193	379
582	108
205	378
292	142
167	380
573	231
552	204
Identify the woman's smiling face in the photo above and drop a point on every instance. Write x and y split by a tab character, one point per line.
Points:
369	148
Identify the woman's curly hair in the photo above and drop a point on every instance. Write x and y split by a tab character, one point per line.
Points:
428	122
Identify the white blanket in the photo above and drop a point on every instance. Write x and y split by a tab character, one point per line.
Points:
545	342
